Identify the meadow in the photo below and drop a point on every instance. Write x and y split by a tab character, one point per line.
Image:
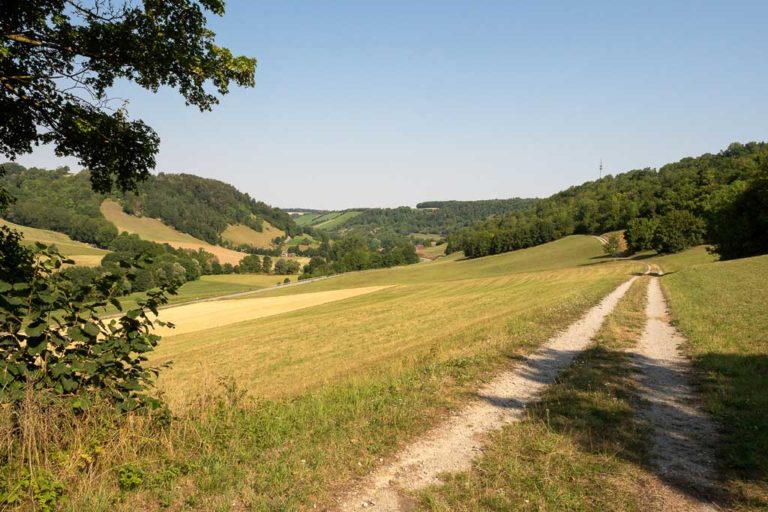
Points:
240	234
82	254
155	231
721	309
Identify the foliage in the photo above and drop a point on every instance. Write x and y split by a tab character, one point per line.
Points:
441	217
612	246
284	267
739	225
55	73
678	230
58	341
250	264
57	200
202	207
610	203
355	252
639	234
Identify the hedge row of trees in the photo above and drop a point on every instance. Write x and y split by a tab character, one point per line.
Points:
675	207
354	252
439	217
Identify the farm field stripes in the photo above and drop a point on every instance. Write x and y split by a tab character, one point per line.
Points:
155	231
452	446
218	313
288	353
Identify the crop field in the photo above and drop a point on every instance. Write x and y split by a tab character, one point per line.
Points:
155	231
240	234
433	252
722	310
452	308
83	254
328	220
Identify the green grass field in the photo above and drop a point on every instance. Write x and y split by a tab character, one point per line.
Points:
328	220
722	308
240	234
83	254
283	412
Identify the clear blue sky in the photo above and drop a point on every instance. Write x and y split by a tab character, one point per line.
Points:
386	103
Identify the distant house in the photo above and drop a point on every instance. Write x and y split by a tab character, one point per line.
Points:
419	247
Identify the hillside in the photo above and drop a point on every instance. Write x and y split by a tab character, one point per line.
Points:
204	208
433	217
155	231
82	254
693	185
182	209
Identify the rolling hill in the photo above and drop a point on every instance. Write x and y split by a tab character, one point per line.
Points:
82	254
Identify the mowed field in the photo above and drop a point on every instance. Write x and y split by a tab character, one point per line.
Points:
81	253
155	231
329	220
722	309
240	234
447	309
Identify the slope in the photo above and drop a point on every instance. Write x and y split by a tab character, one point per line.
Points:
83	254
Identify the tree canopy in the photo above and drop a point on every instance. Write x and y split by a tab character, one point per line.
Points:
59	58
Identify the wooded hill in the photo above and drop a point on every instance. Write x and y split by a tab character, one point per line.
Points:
433	217
62	201
691	197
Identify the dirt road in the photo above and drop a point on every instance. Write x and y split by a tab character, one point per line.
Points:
452	446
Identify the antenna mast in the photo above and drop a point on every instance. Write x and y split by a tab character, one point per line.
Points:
601	168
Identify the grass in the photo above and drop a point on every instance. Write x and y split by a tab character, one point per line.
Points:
155	231
240	234
451	309
721	309
336	388
328	220
434	252
83	254
580	448
675	262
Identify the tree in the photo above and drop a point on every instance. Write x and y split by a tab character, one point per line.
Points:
266	265
613	245
678	230
640	234
739	227
59	58
250	264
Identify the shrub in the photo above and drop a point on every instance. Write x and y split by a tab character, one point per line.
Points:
678	230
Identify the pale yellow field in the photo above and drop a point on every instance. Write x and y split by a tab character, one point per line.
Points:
242	234
217	313
155	231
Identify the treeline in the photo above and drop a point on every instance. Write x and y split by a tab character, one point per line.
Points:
162	265
448	216
56	200
202	207
701	187
358	253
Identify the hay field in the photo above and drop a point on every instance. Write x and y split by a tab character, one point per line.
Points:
155	231
217	313
240	234
445	310
83	254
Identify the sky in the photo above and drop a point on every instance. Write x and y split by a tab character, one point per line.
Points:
388	103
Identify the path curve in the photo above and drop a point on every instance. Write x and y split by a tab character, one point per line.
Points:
452	446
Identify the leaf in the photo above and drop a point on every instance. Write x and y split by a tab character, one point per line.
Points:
91	329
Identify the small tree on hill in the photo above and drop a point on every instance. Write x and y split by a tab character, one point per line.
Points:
266	265
612	247
640	234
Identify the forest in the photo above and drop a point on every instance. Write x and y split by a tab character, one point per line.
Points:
435	217
63	201
669	209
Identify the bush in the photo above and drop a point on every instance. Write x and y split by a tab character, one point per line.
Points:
640	234
678	230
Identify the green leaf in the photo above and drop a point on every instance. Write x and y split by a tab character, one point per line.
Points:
91	329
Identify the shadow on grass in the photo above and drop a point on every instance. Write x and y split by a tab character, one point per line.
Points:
595	402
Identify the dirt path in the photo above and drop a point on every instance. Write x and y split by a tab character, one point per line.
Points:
683	435
452	446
